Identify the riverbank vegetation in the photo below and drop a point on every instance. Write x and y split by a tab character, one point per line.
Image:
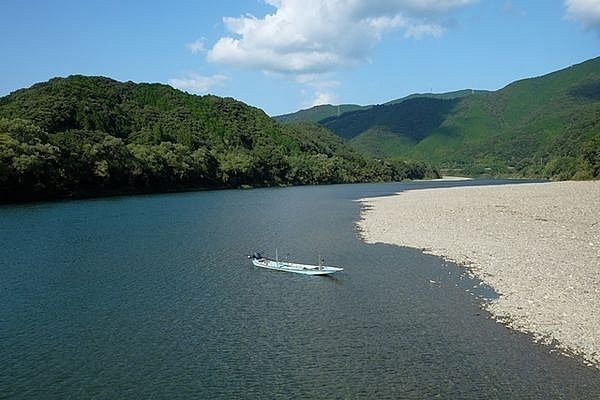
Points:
93	136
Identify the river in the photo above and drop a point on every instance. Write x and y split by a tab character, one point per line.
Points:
153	297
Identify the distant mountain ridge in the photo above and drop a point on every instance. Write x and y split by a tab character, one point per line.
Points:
442	96
546	126
318	113
326	111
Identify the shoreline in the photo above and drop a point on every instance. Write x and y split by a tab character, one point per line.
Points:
447	178
536	244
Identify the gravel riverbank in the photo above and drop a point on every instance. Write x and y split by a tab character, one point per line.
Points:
536	244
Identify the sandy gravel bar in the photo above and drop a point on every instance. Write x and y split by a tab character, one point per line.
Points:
536	244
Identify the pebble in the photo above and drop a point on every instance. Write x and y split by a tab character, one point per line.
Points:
534	243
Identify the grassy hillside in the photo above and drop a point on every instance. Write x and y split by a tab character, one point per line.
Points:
88	136
547	126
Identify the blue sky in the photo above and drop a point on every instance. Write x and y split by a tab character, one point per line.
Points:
285	55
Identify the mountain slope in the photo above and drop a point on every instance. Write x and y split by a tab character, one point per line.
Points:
327	111
88	136
538	125
317	113
442	96
545	126
414	118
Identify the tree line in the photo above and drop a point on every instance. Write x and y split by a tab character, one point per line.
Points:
82	136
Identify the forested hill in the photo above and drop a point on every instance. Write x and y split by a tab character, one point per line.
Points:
88	136
547	126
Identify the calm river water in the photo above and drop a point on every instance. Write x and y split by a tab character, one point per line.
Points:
152	297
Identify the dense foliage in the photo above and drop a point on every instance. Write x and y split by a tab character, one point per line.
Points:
90	136
546	127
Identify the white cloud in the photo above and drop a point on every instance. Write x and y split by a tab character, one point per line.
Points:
197	46
307	41
322	98
321	87
586	11
317	36
510	8
199	84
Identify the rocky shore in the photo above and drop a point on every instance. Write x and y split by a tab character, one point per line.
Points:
536	244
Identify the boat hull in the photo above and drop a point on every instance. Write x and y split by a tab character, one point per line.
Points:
304	269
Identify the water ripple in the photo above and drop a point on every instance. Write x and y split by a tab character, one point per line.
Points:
152	297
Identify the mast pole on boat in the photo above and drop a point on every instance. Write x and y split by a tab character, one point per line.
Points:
276	258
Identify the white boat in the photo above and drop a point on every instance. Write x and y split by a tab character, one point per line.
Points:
307	269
